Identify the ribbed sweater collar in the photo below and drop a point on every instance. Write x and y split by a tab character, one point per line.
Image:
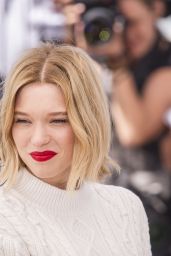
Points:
52	199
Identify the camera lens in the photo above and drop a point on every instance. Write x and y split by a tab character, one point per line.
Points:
98	31
98	25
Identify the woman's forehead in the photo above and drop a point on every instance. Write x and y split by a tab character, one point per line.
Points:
41	95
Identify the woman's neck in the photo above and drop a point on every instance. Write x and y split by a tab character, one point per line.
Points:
52	198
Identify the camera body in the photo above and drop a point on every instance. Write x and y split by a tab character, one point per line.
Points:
99	18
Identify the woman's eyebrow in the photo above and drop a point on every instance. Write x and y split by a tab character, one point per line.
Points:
64	113
20	113
57	113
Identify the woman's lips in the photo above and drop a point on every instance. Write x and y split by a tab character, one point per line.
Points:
43	156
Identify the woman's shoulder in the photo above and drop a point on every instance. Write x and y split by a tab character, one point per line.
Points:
11	203
7	208
112	192
10	241
123	205
13	246
120	205
117	196
7	196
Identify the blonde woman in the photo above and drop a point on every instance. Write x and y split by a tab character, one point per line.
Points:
55	138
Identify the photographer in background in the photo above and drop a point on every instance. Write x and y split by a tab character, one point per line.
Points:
28	22
140	59
141	96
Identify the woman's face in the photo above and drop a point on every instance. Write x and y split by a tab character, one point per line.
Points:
42	133
140	27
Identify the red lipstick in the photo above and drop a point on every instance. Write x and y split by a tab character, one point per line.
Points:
43	156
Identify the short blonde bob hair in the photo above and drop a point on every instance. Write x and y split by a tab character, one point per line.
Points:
75	73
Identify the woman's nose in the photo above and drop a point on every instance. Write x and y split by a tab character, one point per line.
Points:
39	136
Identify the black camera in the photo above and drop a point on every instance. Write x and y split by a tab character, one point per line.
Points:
99	18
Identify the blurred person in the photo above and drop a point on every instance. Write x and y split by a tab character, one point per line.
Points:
55	137
141	59
141	89
28	22
15	30
141	97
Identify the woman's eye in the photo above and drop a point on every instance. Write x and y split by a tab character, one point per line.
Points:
59	121
22	121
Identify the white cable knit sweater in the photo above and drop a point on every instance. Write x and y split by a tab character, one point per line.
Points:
37	219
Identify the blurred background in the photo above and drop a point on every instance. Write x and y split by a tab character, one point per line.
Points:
131	42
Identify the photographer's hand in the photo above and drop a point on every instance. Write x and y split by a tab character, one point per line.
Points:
72	14
113	49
